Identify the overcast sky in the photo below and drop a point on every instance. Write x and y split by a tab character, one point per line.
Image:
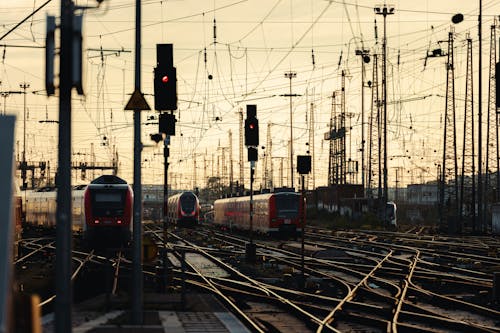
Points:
246	52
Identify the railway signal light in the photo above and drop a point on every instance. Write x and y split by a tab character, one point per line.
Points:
165	86
252	154
167	123
251	127
157	137
303	164
165	79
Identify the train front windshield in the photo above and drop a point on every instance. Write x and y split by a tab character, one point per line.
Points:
188	203
287	206
108	203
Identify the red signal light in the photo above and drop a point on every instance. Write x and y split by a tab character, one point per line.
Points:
164	79
251	126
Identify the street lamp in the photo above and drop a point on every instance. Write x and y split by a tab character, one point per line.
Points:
384	11
365	58
24	86
291	75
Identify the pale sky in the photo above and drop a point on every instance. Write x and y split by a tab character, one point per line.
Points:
256	42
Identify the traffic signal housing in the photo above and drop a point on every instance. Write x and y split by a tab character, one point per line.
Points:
251	127
167	123
165	85
303	164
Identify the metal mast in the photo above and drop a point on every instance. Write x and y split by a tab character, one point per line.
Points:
194	173
242	176
330	143
231	180
492	151
268	180
374	136
311	145
384	11
290	75
468	186
341	131
449	170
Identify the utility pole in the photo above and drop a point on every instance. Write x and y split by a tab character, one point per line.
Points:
24	86
480	203
137	293
365	58
240	147
492	147
385	10
290	75
63	322
6	94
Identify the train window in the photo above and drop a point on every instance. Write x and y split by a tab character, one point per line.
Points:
108	197
188	203
287	206
108	203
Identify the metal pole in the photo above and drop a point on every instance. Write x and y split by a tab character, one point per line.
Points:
363	124
364	55
137	295
303	224
384	11
252	165
291	75
63	213
482	222
384	80
24	86
250	247
165	209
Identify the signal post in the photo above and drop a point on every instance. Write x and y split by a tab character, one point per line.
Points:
303	168
251	141
165	88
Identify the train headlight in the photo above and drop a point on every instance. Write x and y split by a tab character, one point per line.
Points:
119	221
96	221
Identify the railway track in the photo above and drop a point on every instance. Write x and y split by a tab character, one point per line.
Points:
358	282
378	286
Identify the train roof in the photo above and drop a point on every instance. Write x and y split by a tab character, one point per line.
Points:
108	179
182	193
262	196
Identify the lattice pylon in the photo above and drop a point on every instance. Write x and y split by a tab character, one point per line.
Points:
449	170
374	138
492	179
467	197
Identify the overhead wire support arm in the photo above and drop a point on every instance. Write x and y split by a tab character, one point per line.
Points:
25	19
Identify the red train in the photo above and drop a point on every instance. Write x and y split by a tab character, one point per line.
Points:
107	211
17	217
101	210
273	213
183	209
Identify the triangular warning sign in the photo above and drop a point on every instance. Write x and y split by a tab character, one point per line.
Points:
137	102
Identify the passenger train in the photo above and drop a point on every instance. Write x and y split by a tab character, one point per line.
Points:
273	213
391	214
101	210
183	209
17	218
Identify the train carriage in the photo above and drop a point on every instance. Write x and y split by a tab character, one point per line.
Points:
101	210
183	209
273	213
107	211
17	217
